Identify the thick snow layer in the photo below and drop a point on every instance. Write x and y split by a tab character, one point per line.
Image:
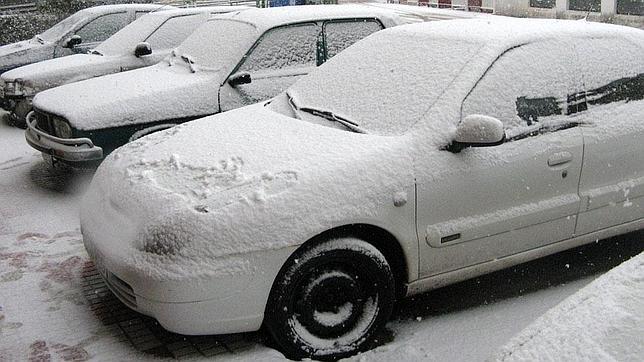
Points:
603	321
240	196
45	314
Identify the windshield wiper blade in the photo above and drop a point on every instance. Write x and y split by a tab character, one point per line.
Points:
188	59
328	115
40	40
95	52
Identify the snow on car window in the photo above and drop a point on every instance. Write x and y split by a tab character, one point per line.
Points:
174	31
522	92
341	34
219	43
285	47
103	27
62	28
127	38
386	82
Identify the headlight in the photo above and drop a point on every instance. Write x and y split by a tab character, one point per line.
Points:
62	128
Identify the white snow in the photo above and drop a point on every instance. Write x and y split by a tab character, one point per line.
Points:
604	321
39	316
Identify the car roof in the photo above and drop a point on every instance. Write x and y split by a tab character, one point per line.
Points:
103	9
198	10
503	33
266	18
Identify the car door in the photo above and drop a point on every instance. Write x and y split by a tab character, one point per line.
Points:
612	180
99	29
489	202
280	57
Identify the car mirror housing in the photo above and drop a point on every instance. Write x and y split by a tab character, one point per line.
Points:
142	49
72	42
239	78
477	130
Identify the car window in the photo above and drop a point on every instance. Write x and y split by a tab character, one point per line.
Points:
103	27
62	28
341	34
293	46
612	71
174	31
529	85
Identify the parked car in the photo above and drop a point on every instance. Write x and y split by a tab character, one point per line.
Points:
234	60
422	155
78	33
142	43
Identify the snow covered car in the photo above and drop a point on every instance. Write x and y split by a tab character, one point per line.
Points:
142	43
375	177
234	60
78	33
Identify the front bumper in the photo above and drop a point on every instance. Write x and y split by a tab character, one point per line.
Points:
73	150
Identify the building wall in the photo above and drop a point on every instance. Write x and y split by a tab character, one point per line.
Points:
561	10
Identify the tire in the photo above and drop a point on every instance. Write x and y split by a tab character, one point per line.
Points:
331	300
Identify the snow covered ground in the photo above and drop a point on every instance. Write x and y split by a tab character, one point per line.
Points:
53	306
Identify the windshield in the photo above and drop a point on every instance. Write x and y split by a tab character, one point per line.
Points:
219	44
127	38
384	83
59	30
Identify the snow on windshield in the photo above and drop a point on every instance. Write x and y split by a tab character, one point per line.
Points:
59	30
386	82
219	44
127	38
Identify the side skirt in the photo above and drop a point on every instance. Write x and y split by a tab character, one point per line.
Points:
443	279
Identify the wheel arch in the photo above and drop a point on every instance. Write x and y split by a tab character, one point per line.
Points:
381	239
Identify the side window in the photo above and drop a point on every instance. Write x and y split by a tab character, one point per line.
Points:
103	27
612	72
173	31
341	34
528	87
293	46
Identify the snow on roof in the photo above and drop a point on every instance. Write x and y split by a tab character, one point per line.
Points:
197	10
267	18
503	33
101	9
602	322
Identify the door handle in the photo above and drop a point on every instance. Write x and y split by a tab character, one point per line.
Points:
559	158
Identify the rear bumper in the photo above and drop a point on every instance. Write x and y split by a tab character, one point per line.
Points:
72	150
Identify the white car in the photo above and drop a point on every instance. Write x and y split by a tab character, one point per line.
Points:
142	43
423	155
232	60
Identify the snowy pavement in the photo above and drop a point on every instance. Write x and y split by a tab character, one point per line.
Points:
53	305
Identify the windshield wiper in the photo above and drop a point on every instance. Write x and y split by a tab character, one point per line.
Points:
188	59
328	115
40	40
96	52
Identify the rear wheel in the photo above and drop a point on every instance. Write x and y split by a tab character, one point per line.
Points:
331	300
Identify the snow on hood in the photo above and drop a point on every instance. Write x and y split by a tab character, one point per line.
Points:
57	71
155	93
242	181
24	52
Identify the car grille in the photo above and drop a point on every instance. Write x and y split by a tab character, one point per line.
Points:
44	122
120	288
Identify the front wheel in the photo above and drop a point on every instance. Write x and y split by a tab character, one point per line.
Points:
330	301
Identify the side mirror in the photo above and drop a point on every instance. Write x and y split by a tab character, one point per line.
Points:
72	42
239	78
477	130
142	49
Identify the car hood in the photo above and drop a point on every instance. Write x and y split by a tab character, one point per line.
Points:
54	72
245	180
156	93
24	52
